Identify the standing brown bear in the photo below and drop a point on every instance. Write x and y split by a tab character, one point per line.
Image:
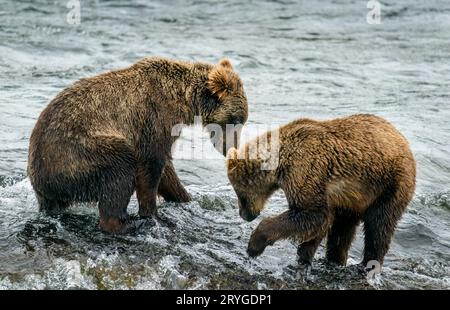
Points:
335	174
105	136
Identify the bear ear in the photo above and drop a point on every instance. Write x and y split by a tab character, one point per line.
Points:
232	153
226	63
221	81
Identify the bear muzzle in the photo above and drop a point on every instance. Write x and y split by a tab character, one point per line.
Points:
247	215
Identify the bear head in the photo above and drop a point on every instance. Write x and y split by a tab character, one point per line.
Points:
226	109
253	184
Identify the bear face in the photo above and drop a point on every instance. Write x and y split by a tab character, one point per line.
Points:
225	114
252	184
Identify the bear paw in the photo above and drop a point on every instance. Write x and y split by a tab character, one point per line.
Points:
257	244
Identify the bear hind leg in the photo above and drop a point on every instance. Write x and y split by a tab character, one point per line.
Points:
51	205
113	214
111	183
340	237
306	251
380	221
113	204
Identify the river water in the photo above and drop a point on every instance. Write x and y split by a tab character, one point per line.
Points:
296	59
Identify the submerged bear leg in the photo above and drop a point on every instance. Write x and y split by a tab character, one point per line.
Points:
380	221
110	180
49	205
302	224
340	237
306	250
113	212
170	187
113	202
147	182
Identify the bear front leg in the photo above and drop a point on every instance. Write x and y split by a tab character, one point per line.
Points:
170	187
147	181
303	225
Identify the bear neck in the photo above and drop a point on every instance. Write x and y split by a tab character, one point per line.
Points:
188	84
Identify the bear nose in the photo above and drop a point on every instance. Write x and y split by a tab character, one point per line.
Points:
247	216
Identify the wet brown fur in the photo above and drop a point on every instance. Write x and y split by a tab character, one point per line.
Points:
335	174
105	136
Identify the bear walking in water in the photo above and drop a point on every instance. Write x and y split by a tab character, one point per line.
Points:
106	136
335	174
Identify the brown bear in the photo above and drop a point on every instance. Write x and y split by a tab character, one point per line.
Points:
105	136
335	174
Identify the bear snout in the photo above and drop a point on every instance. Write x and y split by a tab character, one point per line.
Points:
247	215
253	252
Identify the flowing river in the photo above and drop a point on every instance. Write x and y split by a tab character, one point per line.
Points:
296	59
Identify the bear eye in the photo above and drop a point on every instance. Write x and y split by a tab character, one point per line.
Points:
236	120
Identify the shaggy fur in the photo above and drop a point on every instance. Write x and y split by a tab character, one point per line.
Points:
105	136
335	174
